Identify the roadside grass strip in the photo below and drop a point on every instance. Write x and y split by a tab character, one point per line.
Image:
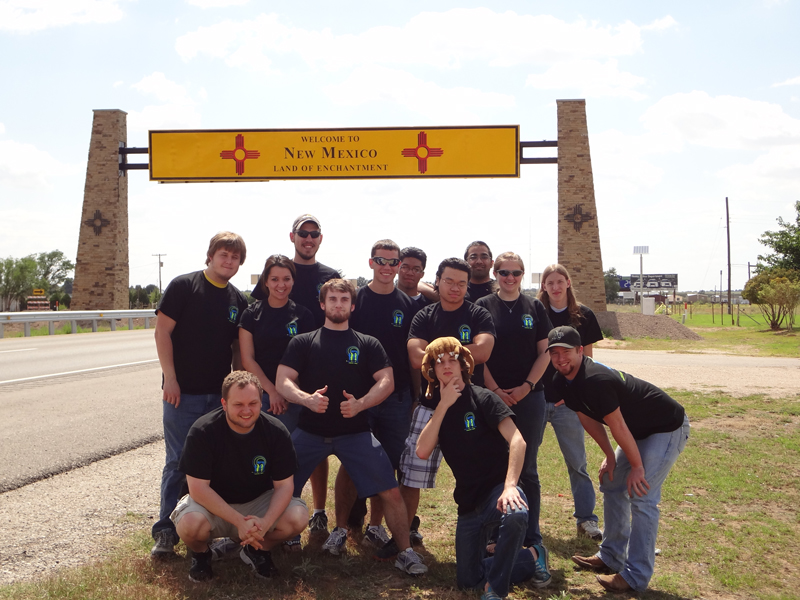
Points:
729	526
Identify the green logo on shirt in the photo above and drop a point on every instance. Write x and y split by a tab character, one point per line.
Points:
233	312
259	465
397	318
291	328
352	355
527	322
469	422
465	334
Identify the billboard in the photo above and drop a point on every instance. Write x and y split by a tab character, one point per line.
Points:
654	281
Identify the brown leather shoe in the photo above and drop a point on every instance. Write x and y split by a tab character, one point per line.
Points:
593	563
613	583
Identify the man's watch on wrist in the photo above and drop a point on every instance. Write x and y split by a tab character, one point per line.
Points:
530	383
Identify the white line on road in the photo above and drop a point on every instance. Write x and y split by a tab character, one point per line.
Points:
138	362
20	350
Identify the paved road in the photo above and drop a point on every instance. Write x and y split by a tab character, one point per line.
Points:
67	401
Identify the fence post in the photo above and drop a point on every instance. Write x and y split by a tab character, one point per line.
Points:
27	327
94	325
2	332
130	324
147	322
74	326
51	328
113	323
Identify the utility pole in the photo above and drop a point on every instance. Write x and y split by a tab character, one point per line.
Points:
160	264
728	227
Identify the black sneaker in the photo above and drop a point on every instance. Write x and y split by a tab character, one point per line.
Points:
388	552
200	571
414	535
318	524
165	544
259	560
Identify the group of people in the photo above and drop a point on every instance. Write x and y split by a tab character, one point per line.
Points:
390	378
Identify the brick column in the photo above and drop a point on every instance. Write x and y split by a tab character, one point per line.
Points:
101	267
578	227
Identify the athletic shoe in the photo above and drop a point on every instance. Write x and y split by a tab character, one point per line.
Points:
335	544
259	560
388	552
318	523
165	544
592	563
590	530
375	536
541	575
414	535
220	547
410	562
490	594
292	545
200	571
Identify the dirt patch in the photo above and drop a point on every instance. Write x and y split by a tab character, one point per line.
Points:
635	325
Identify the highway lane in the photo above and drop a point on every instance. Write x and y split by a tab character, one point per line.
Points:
71	409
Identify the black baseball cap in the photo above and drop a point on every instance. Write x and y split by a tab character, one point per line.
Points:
564	336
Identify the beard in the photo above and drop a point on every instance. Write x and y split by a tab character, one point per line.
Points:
337	318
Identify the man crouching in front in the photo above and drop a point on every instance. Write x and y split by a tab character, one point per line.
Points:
239	465
485	451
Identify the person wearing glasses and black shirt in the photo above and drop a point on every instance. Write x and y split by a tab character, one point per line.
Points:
513	371
479	258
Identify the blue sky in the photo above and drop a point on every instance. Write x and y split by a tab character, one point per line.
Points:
687	103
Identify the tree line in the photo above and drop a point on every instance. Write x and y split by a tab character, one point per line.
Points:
49	271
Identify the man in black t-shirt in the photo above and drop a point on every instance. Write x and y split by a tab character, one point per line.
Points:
306	235
409	277
477	435
239	465
479	258
650	429
337	374
473	327
197	341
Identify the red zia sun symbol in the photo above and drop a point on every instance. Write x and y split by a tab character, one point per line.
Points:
240	155
422	152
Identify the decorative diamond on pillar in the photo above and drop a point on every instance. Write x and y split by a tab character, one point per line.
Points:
97	222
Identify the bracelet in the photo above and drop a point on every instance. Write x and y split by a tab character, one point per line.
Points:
530	383
495	389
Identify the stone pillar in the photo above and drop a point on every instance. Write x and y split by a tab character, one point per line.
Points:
101	267
578	227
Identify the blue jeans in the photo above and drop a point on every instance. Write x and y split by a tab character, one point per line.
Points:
177	422
390	421
510	564
570	435
289	418
530	415
631	524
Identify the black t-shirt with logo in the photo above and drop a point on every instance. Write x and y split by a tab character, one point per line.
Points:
598	390
520	325
273	329
206	323
590	332
473	447
239	466
305	292
344	361
476	291
463	323
387	317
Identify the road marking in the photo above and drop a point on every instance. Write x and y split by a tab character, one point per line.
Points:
138	362
21	350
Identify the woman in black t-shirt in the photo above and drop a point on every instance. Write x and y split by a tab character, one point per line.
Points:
513	371
563	308
266	329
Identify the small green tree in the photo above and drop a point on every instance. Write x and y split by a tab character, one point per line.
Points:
52	269
361	282
611	279
785	243
17	280
771	291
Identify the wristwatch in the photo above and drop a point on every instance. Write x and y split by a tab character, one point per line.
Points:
530	383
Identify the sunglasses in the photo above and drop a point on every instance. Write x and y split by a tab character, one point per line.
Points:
506	273
304	234
392	262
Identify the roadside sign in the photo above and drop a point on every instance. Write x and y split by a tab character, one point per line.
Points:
657	281
356	153
38	292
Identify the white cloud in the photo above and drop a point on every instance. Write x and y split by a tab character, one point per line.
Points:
26	16
661	24
792	81
442	105
441	40
2	128
117	84
178	110
591	78
719	122
23	165
775	172
216	3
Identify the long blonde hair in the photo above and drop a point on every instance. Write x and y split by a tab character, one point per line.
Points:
573	306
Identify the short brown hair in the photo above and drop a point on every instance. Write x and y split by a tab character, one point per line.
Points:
340	285
240	379
384	245
228	240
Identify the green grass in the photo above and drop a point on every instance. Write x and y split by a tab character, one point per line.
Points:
729	523
66	329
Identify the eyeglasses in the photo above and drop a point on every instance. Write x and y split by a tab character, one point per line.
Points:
483	256
506	273
304	234
462	285
392	262
414	270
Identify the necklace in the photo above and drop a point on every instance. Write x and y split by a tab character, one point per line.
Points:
511	308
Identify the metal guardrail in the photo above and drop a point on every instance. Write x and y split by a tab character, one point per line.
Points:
73	316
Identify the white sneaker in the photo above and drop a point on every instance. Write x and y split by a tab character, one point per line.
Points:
375	537
590	530
410	562
335	544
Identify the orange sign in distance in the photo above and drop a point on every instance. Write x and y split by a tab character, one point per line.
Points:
259	154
